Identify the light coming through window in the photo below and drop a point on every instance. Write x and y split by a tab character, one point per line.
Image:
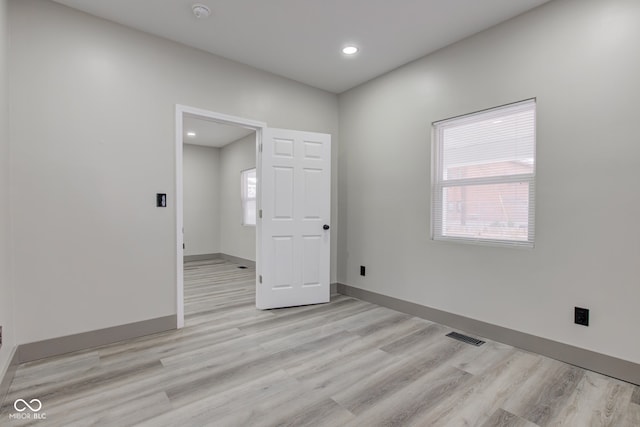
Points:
484	175
248	195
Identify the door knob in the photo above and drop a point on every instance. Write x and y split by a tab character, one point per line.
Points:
325	227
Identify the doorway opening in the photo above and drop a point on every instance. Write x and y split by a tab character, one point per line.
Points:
208	137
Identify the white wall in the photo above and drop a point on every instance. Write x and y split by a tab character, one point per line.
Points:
201	194
92	114
6	291
580	58
237	239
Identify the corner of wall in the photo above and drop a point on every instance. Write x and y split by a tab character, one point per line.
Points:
236	239
7	351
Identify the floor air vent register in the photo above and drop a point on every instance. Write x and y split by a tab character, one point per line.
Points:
465	338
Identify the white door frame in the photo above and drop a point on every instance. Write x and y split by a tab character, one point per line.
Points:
224	119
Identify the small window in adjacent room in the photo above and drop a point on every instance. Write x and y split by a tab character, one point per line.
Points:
483	176
248	194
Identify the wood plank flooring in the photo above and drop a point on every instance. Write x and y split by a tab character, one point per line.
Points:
345	363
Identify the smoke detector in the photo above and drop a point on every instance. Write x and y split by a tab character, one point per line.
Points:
201	11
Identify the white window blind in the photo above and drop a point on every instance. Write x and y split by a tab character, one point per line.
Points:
248	194
484	175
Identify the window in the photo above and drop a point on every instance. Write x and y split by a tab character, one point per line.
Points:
248	194
484	175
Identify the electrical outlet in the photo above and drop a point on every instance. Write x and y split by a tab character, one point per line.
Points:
581	316
362	270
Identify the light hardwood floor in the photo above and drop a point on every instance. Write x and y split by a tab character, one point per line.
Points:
345	363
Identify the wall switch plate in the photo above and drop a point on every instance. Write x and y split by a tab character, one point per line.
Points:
161	200
362	270
581	316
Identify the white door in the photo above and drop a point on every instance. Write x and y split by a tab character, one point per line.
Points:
294	234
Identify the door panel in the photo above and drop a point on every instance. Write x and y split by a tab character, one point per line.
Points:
311	248
283	193
295	182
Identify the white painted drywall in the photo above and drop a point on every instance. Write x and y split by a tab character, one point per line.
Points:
236	239
201	210
92	133
6	291
581	60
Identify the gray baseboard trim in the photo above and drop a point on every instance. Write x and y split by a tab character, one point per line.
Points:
238	260
9	373
202	257
231	258
587	359
97	338
334	288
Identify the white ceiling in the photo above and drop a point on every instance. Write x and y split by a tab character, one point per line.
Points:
302	39
210	133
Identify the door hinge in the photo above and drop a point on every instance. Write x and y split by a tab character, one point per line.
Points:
260	279
260	147
260	213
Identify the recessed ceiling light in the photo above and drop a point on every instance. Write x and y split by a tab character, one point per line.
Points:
201	11
191	134
350	50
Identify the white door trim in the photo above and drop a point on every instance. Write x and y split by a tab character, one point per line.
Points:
220	118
